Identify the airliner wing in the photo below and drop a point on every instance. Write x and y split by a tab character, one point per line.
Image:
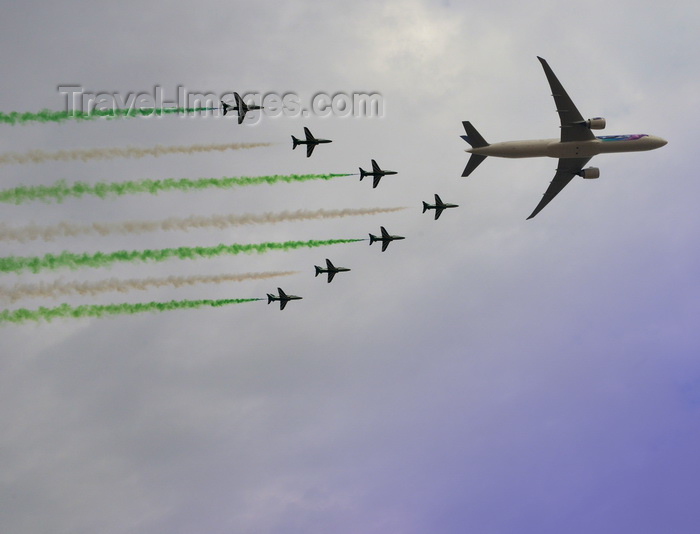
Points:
573	127
567	169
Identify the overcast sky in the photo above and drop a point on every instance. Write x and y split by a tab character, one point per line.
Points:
488	374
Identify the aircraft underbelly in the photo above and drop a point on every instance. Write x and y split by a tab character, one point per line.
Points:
554	148
574	149
515	149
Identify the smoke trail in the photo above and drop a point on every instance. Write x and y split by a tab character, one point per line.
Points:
59	289
59	190
46	115
40	156
64	229
22	315
72	260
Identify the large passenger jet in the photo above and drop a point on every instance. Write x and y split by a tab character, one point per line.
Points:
574	149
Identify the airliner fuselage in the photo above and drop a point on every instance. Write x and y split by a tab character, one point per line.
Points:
554	148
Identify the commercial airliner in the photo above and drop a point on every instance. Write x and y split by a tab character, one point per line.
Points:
310	142
283	298
240	106
574	149
439	206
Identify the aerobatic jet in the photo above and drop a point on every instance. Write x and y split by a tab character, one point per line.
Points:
575	147
283	298
240	106
331	269
385	238
376	172
310	142
439	206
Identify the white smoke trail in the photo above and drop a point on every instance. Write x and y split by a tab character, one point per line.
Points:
41	156
62	289
65	229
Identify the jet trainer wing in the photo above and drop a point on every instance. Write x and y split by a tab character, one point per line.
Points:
385	244
438	212
566	170
375	167
240	105
310	149
376	181
283	303
331	274
308	135
573	126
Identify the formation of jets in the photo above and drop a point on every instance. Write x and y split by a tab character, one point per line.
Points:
574	149
310	142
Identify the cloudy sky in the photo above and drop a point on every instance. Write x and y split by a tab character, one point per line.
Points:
488	374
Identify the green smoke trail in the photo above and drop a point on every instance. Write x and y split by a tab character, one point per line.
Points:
59	190
46	115
22	315
57	288
72	260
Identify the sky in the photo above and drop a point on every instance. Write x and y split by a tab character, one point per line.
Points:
487	374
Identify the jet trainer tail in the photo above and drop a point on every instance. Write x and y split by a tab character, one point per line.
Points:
295	142
363	173
270	298
425	206
373	238
318	270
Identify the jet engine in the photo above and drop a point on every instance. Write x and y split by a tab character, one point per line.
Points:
589	173
596	123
